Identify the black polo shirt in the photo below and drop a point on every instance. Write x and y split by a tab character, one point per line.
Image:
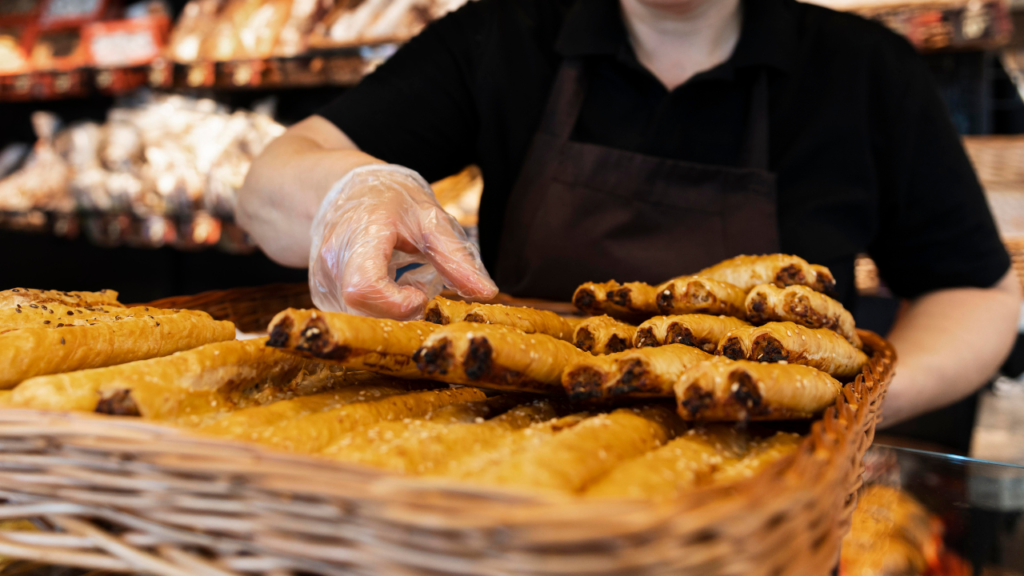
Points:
866	156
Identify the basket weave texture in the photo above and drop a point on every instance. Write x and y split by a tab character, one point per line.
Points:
122	494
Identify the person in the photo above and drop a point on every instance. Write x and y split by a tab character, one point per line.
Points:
641	140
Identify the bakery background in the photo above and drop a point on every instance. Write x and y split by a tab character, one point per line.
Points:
128	127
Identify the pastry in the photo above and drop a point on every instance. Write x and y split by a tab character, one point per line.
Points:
496	356
632	301
515	442
779	269
529	320
315	432
788	342
803	306
674	468
603	335
698	330
25	296
694	294
441	310
641	373
211	378
37	351
58	315
761	454
573	458
379	345
729	390
429	446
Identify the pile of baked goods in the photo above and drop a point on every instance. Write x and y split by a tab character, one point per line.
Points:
639	399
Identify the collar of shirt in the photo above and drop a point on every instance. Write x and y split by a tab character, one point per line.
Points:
768	36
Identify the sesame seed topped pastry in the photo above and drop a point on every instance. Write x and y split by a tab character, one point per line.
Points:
779	269
729	390
788	342
495	356
25	296
441	310
698	330
374	344
603	335
801	305
638	373
695	294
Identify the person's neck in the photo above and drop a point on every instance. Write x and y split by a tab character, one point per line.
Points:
677	42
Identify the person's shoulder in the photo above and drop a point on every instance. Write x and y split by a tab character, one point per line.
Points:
848	33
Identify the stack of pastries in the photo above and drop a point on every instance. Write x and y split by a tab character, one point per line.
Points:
640	399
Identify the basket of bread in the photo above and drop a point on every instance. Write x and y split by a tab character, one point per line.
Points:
713	424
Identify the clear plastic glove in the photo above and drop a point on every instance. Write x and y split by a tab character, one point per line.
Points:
376	220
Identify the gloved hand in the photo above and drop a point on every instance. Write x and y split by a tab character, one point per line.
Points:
380	218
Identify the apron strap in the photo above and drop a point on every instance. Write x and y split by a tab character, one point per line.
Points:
754	153
563	106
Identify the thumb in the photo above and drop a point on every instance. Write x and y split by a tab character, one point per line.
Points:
367	288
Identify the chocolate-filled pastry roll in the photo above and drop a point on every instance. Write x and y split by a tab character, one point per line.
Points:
638	373
375	344
603	335
529	320
58	315
38	351
494	356
592	297
25	296
779	269
788	342
728	390
632	301
441	310
803	306
698	330
694	294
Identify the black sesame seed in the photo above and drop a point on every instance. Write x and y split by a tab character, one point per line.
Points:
33	306
18	310
46	321
62	341
60	324
70	313
157	323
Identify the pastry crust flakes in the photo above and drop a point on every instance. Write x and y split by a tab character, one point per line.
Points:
779	269
378	345
25	296
695	294
801	305
603	335
38	351
698	330
495	356
788	342
728	390
640	373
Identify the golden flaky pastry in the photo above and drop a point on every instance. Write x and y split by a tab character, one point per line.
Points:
695	294
58	316
788	342
207	379
441	310
571	459
728	390
803	306
632	301
26	296
603	335
640	373
38	351
779	269
529	320
495	356
379	345
698	330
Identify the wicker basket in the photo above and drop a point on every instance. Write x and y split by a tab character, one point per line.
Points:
120	494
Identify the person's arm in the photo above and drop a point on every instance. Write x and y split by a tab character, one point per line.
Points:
287	183
949	343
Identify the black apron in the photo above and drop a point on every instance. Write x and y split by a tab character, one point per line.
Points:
582	212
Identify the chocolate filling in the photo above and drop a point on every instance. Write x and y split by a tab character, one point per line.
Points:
645	337
620	297
435	359
478	364
119	403
585	340
733	349
316	339
616	344
435	316
585	383
665	299
584	299
756	307
789	275
475	317
677	334
746	393
768	349
279	333
696	399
